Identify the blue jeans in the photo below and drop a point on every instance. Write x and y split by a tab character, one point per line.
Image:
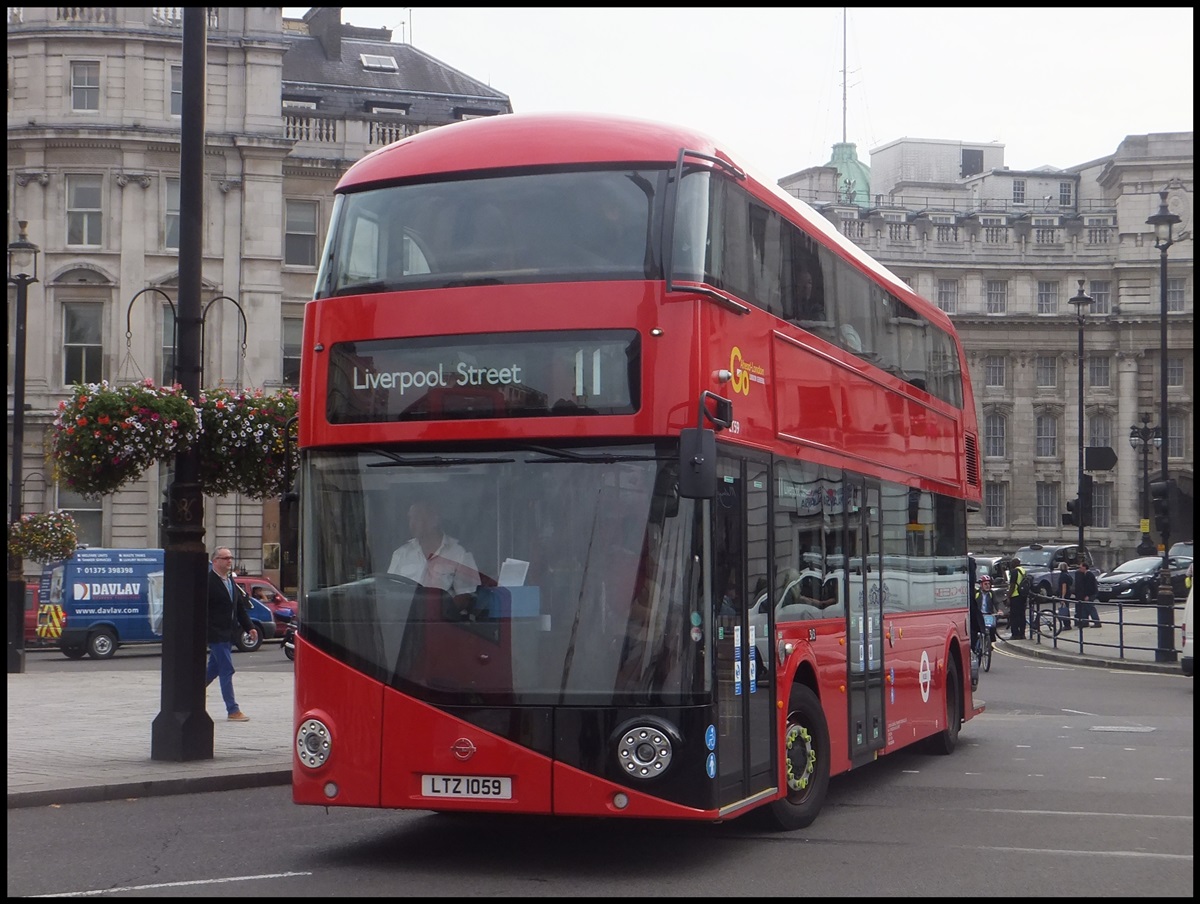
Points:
220	664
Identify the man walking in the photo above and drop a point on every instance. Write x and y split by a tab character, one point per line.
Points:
1086	613
228	616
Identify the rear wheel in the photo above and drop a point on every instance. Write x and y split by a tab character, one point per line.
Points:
250	641
944	742
806	762
102	644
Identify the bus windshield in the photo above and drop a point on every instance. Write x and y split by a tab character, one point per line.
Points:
535	227
544	575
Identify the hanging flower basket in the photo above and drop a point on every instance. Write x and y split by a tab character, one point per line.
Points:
105	436
241	447
43	538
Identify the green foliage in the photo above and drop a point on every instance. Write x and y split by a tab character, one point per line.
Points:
242	447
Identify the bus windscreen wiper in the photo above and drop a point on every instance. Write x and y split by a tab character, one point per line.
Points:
430	461
558	455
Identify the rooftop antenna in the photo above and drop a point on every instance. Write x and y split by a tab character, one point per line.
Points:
844	78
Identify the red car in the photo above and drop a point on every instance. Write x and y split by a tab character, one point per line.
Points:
282	608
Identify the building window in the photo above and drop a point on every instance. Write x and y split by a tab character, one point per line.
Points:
176	90
300	238
1100	430
947	295
1047	297
995	504
1101	292
1099	371
1018	191
995	428
84	213
1065	193
88	515
1048	514
994	371
1046	444
293	330
1175	365
1046	372
168	346
171	214
85	86
83	348
1101	504
295	103
1175	437
1175	288
378	62
997	296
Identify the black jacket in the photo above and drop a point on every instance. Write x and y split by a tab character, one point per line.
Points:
226	621
1084	586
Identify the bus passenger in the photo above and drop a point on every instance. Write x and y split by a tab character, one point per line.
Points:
433	559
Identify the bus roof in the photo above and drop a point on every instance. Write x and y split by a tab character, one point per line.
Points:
516	140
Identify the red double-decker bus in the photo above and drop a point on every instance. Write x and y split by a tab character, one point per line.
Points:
629	487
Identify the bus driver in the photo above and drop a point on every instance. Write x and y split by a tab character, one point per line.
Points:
433	559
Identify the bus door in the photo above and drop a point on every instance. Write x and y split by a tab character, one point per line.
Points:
746	734
864	610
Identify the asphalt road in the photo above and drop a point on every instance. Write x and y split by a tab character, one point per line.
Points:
1076	781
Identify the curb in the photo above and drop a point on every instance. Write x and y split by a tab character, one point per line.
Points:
89	794
1038	651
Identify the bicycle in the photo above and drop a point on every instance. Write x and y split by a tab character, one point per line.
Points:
987	639
1047	622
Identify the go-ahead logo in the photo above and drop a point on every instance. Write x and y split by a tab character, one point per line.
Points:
743	372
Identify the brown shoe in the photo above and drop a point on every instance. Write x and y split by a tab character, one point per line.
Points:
239	716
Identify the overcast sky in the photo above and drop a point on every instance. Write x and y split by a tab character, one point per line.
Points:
1055	86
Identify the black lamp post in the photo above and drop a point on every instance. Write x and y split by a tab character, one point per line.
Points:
1164	222
1082	302
1143	438
22	257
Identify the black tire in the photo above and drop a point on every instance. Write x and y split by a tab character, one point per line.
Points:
987	654
806	757
74	652
290	653
249	642
946	740
101	644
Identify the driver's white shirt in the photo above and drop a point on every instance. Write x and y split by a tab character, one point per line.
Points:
450	568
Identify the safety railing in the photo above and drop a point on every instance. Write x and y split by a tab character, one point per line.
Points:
1127	630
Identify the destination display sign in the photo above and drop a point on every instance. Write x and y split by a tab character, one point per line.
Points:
542	374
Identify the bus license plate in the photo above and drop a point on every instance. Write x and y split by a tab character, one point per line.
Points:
467	786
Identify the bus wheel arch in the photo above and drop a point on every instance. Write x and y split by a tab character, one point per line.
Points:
805	752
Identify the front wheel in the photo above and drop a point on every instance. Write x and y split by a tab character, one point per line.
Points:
250	641
987	652
944	742
806	762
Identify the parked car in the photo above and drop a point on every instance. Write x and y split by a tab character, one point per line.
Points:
282	608
1182	548
1040	562
32	600
1137	580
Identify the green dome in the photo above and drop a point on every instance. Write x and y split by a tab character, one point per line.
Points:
854	177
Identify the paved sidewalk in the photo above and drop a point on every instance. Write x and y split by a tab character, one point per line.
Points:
73	739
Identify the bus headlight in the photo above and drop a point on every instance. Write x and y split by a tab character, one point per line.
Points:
313	743
644	748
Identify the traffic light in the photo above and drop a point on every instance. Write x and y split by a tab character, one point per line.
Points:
1160	497
1085	501
1072	515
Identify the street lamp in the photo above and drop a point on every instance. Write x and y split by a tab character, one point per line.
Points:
1164	222
1082	302
22	258
1143	438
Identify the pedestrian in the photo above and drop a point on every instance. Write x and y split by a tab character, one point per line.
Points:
1063	593
1086	613
1018	600
228	616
